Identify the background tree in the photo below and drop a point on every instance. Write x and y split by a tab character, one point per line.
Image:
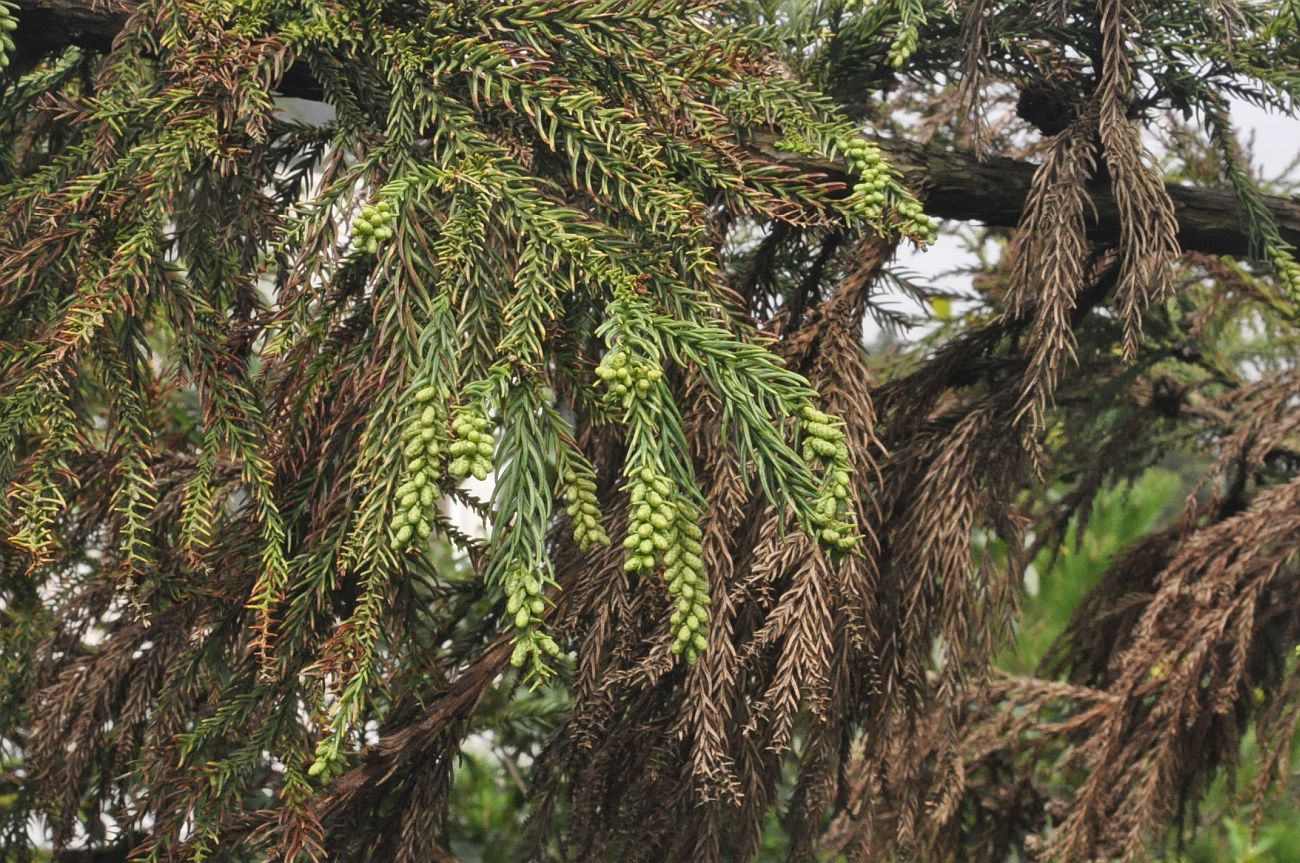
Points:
618	256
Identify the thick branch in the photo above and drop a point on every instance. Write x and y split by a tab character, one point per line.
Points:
45	25
955	185
958	186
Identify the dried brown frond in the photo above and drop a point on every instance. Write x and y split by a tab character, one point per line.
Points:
1050	257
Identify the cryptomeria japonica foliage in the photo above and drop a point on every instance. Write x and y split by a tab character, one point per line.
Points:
612	261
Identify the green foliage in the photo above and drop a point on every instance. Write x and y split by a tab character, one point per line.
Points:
1273	838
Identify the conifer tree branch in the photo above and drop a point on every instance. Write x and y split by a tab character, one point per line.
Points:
617	256
956	185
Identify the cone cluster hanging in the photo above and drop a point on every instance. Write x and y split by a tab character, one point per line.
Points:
417	497
662	530
471	449
524	607
627	378
649	530
824	443
904	46
374	226
878	188
688	586
1288	271
580	497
